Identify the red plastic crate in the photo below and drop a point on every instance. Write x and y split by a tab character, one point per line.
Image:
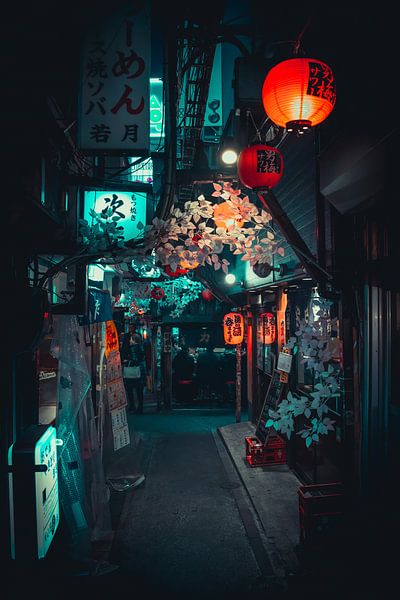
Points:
319	506
260	455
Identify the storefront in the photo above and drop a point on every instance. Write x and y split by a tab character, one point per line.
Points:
310	324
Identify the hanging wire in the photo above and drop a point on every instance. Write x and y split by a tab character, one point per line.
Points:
297	43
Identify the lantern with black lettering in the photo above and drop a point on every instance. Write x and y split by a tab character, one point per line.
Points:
260	166
269	327
233	328
299	93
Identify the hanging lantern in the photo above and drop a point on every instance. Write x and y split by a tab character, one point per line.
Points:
140	311
299	93
177	273
233	328
207	295
157	293
269	327
260	166
225	216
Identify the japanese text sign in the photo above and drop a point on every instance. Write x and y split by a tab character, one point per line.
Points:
233	328
129	207
114	84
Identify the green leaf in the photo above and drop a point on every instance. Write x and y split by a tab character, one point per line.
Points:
269	423
308	442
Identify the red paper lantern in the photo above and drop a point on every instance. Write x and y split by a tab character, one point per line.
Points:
176	273
299	93
157	293
269	327
207	295
233	328
260	166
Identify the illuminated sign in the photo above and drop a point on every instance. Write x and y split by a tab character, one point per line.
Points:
130	207
157	129
33	482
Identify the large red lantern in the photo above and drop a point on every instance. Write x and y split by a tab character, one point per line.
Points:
268	327
233	328
260	166
299	93
207	295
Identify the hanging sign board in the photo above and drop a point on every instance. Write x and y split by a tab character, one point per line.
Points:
114	90
284	362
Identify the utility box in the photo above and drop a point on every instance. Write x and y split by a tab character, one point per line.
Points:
33	492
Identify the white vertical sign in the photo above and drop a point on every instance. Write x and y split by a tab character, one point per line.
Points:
114	84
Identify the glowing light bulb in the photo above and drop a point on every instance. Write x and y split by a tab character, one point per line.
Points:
229	157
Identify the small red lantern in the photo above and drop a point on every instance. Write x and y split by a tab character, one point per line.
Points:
269	327
176	273
207	295
157	293
260	166
299	93
233	328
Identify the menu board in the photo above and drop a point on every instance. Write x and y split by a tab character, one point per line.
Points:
273	397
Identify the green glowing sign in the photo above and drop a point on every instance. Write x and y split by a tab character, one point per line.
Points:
131	207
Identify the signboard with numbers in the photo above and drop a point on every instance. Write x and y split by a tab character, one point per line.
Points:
114	95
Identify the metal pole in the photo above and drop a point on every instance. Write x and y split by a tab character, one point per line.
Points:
238	382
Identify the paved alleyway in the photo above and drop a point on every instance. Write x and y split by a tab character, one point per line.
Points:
185	532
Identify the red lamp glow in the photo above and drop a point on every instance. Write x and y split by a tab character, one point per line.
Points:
299	93
233	328
207	295
157	293
177	273
269	327
260	166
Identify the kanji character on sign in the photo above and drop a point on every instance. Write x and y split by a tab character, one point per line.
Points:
100	133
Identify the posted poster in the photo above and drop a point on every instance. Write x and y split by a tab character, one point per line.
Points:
120	428
115	389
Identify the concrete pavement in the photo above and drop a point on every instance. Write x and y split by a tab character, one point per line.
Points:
273	494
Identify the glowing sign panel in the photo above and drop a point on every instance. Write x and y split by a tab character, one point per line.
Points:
131	208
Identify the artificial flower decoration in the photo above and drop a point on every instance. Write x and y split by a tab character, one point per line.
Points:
195	237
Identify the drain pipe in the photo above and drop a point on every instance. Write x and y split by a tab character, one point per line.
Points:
167	200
